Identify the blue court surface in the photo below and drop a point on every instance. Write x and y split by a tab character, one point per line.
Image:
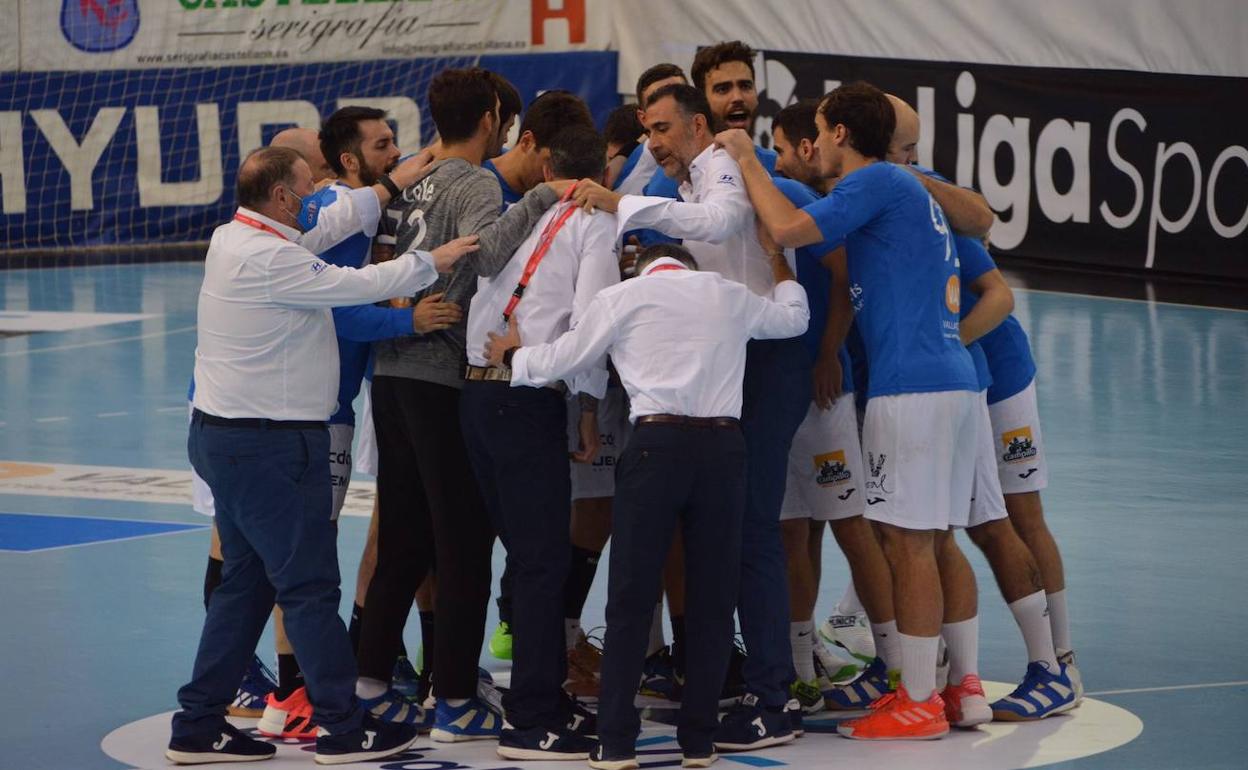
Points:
1145	410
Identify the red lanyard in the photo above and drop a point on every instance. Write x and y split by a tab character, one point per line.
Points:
661	268
241	217
543	246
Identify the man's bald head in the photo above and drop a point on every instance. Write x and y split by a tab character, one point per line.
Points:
904	145
307	143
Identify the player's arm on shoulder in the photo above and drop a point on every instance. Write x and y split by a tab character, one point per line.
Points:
341	213
968	212
785	314
298	278
500	236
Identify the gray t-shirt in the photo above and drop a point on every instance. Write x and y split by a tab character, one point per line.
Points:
454	199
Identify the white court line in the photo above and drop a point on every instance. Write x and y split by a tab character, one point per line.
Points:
51	419
1127	299
98	342
1243	683
112	414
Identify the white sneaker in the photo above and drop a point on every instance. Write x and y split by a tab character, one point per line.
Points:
851	633
832	667
1067	659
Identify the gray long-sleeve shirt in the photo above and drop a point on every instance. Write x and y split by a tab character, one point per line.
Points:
454	199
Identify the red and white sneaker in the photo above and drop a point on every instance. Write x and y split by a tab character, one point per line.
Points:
895	717
290	718
965	703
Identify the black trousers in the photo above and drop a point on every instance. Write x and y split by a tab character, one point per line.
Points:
428	502
517	438
669	476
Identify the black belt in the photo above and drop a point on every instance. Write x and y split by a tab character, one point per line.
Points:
256	422
729	423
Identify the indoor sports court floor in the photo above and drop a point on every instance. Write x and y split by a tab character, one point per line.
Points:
1145	409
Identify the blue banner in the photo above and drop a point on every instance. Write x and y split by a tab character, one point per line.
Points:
150	156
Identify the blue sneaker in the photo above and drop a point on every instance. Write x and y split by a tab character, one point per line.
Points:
392	707
406	679
749	726
581	720
795	712
224	744
603	759
659	677
541	743
862	692
1042	694
372	740
257	683
473	721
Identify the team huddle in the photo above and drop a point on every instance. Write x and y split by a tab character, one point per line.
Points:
657	334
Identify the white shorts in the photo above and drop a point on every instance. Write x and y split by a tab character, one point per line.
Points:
1017	443
201	495
825	465
340	437
597	479
919	472
366	452
987	503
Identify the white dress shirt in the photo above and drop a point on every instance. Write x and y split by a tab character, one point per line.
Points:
714	217
677	337
266	344
582	260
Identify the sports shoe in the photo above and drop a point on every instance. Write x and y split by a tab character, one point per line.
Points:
699	759
406	679
257	683
834	668
808	696
290	718
373	739
390	706
581	720
500	641
1041	694
895	717
541	743
601	759
965	703
851	633
793	709
489	693
659	677
862	692
472	721
224	744
748	726
1067	659
584	663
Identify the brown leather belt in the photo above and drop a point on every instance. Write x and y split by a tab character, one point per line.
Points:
500	374
729	423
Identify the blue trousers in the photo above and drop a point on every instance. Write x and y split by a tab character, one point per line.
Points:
273	503
777	392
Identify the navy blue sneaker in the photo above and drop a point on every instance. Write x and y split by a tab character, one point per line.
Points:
602	759
224	744
794	711
407	680
659	677
257	683
373	739
541	743
581	720
749	726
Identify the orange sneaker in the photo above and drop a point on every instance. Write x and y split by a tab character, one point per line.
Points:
895	717
290	718
965	703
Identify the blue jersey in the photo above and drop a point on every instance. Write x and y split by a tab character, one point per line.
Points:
903	274
1006	349
973	261
817	281
510	196
630	163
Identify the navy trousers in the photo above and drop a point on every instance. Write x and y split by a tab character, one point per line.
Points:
673	476
273	503
777	393
518	442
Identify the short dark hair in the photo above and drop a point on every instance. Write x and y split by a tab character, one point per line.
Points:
457	100
690	100
578	152
622	126
553	111
509	102
262	169
797	121
713	56
866	112
673	250
655	74
341	133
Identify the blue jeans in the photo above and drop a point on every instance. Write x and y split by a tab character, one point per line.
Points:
273	504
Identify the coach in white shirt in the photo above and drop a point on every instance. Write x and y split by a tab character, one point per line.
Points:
678	339
266	374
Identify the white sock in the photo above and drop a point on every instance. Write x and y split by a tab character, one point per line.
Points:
369	688
657	642
1060	622
801	638
887	644
849	604
455	702
918	665
571	631
962	639
1030	615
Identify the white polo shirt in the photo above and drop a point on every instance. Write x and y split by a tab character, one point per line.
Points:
677	338
266	345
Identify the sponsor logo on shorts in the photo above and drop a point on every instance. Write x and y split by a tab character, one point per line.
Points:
877	485
1027	475
1018	445
830	469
